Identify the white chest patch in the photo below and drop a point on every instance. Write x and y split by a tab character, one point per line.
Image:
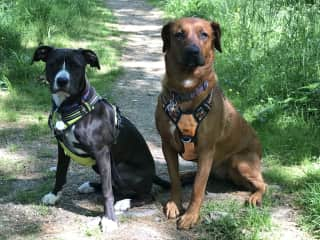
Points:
59	97
71	140
188	83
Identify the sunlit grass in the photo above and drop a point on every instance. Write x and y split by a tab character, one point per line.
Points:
233	221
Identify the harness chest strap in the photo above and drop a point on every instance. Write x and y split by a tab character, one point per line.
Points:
188	126
188	123
82	160
68	118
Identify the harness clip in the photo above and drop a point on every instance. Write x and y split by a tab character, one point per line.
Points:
186	139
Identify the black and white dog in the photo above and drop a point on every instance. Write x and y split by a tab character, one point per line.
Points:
91	131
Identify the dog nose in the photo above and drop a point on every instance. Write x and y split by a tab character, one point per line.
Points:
62	81
193	49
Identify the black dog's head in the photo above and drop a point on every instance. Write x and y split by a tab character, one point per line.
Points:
65	69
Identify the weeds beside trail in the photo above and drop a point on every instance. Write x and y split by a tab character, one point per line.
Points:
270	69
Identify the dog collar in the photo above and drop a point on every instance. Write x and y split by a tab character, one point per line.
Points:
183	97
66	115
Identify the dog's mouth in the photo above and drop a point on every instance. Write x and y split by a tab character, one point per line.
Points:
60	91
193	61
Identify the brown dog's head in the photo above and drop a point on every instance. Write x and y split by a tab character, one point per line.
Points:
191	41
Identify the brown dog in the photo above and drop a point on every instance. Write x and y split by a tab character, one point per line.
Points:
196	120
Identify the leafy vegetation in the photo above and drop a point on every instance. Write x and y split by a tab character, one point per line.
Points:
270	69
230	220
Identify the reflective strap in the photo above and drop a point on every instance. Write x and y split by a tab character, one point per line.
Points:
115	115
74	120
85	161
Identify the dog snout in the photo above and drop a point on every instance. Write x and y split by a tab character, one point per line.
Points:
193	50
193	56
62	81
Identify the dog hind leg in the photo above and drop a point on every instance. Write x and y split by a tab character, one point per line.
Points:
245	171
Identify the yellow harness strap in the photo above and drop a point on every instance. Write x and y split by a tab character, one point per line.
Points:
85	161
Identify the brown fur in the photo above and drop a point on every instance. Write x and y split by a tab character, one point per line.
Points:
226	145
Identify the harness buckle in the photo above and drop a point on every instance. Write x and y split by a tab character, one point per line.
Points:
186	139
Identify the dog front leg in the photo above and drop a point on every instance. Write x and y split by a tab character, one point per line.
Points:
173	207
191	216
108	222
61	177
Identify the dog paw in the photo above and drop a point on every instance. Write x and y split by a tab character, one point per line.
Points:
171	210
187	220
50	198
107	225
122	205
85	188
255	199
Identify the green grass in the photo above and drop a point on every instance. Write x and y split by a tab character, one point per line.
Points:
34	195
233	221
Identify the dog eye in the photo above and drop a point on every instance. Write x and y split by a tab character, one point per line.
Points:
204	35
179	35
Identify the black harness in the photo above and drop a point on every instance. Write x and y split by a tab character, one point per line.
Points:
62	118
174	112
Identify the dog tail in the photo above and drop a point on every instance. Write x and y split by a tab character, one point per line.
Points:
161	182
187	178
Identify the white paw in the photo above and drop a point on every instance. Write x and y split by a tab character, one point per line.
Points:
107	225
50	198
122	205
85	188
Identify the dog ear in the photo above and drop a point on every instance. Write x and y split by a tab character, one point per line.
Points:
90	57
217	36
165	34
41	53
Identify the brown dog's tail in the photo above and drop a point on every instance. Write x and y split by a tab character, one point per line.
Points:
161	182
186	178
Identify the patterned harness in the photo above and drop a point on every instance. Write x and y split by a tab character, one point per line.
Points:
62	118
188	122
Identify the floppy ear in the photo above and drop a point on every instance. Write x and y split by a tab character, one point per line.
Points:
90	57
217	35
41	53
165	34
